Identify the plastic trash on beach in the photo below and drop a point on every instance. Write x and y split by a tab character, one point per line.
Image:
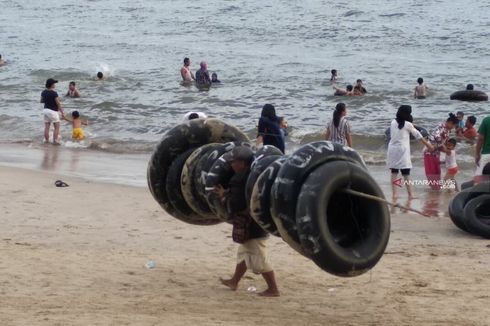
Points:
251	289
150	264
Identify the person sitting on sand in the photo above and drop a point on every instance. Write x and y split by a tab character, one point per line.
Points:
469	131
100	75
250	236
359	89
333	77
52	110
185	71
214	78
76	123
2	62
72	90
202	76
344	92
421	89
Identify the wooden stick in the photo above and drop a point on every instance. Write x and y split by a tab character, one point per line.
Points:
382	200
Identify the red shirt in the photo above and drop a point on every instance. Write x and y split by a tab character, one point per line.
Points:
470	133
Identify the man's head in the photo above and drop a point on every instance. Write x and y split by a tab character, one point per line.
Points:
100	75
359	82
187	62
470	122
469	87
334	72
420	80
75	114
240	159
214	76
193	116
349	88
50	82
72	85
204	65
451	143
460	115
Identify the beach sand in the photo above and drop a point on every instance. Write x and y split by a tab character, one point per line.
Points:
76	256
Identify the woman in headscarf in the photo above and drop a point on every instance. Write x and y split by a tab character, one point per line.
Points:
398	158
269	131
338	130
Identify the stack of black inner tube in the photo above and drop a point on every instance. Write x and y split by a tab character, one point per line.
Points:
299	197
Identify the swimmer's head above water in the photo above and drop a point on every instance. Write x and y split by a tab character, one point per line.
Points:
469	87
100	75
204	65
349	88
187	62
420	80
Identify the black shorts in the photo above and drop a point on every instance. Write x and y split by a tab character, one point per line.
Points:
404	171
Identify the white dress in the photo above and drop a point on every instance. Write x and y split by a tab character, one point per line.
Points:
398	156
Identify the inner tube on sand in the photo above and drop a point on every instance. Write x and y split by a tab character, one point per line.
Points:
469	96
343	234
477	216
458	203
176	141
291	176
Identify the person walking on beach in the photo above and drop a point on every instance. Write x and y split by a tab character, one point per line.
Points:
202	76
438	139
421	89
482	151
52	110
398	157
72	90
185	71
338	129
269	130
248	234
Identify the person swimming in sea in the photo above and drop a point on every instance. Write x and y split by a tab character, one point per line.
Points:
421	89
359	89
2	62
185	71
100	75
72	90
344	92
333	77
214	78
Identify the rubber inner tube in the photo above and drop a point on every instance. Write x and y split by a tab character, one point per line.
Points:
457	204
344	235
258	166
477	216
176	141
260	201
469	96
291	176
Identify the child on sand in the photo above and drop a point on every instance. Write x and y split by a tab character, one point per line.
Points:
451	165
76	122
420	90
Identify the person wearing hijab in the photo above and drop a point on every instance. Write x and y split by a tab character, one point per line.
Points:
269	131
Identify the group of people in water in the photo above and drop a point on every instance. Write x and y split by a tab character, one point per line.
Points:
201	77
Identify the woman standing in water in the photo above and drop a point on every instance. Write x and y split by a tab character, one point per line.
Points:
398	158
269	131
438	139
338	130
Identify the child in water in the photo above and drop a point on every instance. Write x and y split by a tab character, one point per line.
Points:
214	78
283	125
420	90
451	165
460	116
76	122
333	78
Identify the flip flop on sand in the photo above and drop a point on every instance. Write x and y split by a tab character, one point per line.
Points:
59	183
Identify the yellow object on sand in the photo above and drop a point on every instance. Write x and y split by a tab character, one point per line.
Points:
78	134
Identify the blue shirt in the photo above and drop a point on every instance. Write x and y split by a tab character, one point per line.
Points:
271	133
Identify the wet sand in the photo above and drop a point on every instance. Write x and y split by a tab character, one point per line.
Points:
76	256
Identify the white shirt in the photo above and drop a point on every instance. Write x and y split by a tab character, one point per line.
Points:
451	160
399	156
201	115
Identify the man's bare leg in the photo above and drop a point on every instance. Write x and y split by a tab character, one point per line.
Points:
272	290
56	132
232	283
46	131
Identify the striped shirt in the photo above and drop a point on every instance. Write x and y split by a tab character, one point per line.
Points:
339	134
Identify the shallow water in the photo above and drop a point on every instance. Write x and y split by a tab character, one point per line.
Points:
280	52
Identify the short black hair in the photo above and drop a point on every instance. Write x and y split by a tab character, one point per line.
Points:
350	88
75	114
193	116
186	60
420	80
0	56
72	83
469	87
333	71
359	81
100	74
452	141
472	119
452	118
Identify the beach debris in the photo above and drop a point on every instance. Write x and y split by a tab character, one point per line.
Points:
252	289
150	264
59	183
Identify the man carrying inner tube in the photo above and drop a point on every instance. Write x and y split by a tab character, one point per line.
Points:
251	237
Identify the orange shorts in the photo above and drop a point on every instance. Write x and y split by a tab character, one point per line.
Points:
452	171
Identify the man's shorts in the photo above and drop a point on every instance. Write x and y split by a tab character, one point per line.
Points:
51	116
253	252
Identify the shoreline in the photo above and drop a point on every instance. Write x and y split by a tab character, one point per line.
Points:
76	256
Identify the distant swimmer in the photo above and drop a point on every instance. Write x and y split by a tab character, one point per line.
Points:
76	122
470	87
359	89
72	90
186	72
194	115
333	77
100	75
202	76
214	78
2	62
344	92
421	89
52	110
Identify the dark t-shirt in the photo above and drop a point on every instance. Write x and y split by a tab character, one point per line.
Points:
237	203
48	97
271	133
202	78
